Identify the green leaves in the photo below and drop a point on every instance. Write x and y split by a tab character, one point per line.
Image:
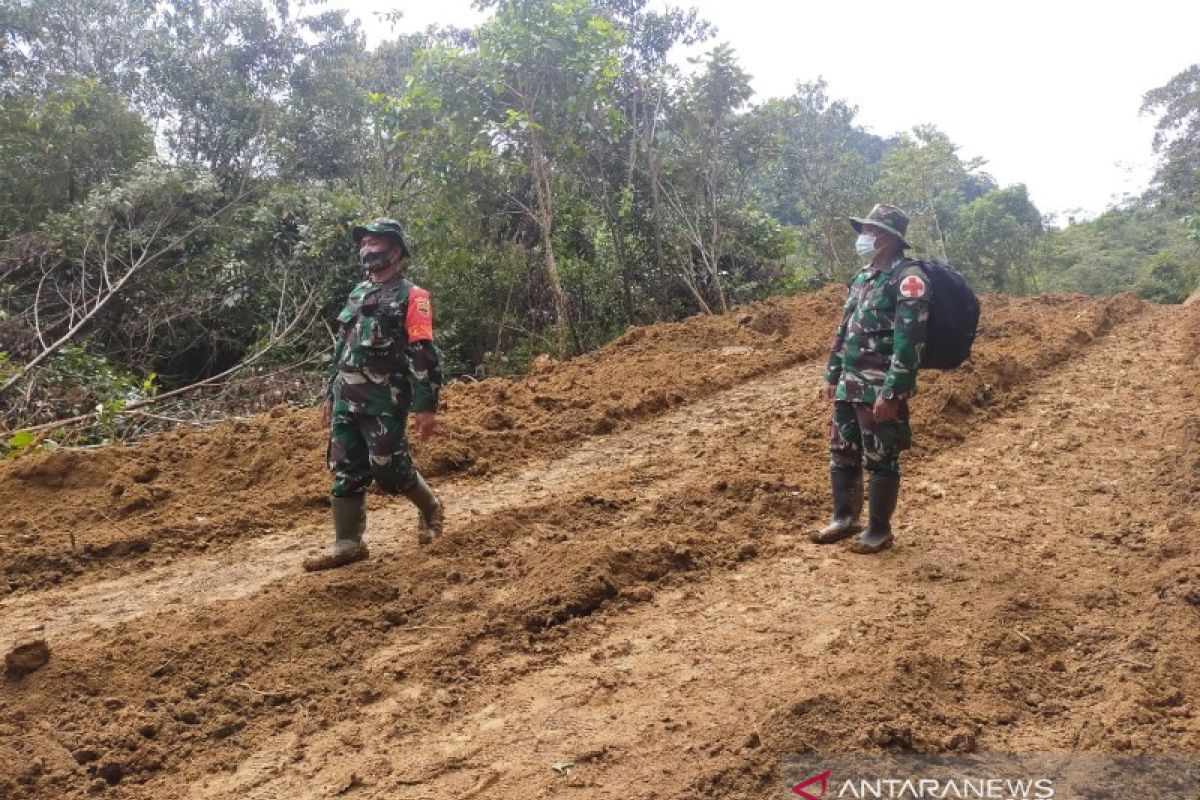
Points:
18	444
58	145
1177	135
992	240
558	172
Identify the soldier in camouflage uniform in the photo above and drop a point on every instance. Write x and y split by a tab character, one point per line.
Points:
384	364
872	373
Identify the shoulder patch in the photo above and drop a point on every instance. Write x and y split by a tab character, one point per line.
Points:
419	319
913	286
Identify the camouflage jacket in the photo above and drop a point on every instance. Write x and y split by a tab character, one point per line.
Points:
385	349
878	344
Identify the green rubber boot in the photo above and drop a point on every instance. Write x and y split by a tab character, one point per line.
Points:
847	486
882	496
432	511
349	523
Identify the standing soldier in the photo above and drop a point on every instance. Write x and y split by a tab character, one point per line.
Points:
384	364
872	373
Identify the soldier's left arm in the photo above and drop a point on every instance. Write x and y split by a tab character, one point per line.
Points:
913	291
424	358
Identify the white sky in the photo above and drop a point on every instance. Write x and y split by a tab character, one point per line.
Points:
1047	92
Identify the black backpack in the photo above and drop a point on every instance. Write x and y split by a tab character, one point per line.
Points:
953	316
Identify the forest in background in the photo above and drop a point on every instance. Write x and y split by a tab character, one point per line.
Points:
178	179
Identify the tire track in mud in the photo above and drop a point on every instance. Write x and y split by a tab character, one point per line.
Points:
651	450
715	474
994	625
578	694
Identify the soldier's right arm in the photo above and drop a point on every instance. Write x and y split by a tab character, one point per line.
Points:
338	350
833	370
344	318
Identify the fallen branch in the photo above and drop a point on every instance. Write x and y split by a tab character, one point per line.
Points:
110	290
137	406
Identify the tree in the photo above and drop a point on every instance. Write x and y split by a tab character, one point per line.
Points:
118	234
1137	247
552	68
819	169
706	153
56	146
233	82
994	237
628	164
47	41
1177	136
924	175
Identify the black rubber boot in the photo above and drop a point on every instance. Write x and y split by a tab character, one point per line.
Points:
884	491
431	509
349	523
847	505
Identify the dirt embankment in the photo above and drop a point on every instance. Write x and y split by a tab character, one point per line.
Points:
68	513
621	586
71	513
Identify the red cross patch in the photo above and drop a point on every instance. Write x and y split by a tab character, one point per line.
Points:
912	287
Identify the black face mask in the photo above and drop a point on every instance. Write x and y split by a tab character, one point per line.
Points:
374	261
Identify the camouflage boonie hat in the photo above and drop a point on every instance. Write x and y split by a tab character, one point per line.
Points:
890	218
384	226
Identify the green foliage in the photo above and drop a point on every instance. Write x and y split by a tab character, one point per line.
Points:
18	444
819	167
1139	247
560	177
102	41
1166	279
57	145
93	382
924	175
1177	136
993	238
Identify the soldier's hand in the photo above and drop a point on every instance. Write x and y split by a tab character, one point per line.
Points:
829	392
426	424
885	410
327	412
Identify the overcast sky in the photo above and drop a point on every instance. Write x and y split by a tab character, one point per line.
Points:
1047	92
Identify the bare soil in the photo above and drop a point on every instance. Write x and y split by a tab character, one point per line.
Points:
624	604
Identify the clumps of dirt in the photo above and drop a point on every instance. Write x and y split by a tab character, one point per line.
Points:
1191	427
1179	577
557	591
195	688
887	710
193	489
26	658
647	371
1019	338
769	318
73	513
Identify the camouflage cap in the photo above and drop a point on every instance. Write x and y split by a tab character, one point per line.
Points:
383	226
890	218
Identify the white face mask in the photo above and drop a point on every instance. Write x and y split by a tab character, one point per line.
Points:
864	245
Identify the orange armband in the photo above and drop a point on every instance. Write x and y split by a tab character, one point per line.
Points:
419	321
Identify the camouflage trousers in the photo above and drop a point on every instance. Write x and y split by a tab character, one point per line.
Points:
855	436
369	447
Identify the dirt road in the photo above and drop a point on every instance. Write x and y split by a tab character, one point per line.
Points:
624	604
